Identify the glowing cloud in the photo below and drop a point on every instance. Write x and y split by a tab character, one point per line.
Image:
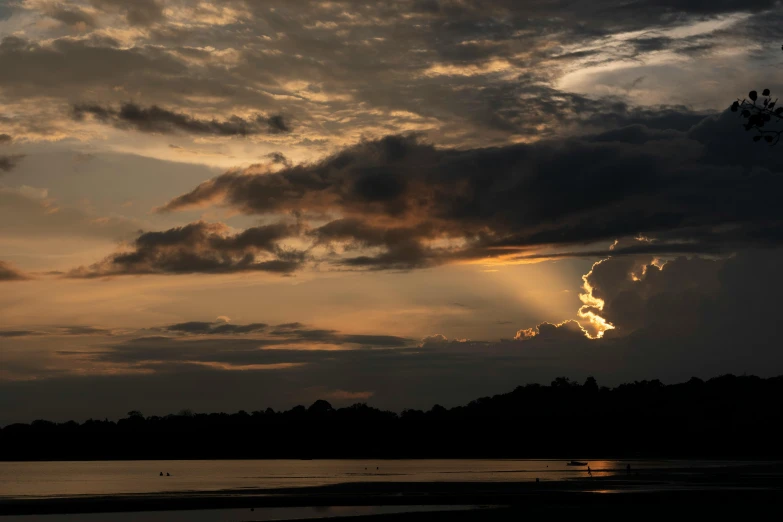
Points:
592	305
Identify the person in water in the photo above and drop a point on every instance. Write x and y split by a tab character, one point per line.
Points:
161	473
589	471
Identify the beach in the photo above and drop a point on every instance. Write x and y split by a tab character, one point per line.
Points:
716	491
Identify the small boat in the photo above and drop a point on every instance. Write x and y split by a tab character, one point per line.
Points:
576	463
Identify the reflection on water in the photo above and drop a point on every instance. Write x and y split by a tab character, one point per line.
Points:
46	479
233	515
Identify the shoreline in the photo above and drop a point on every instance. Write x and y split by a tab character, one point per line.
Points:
750	485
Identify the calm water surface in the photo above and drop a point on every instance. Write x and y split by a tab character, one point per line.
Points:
233	515
60	479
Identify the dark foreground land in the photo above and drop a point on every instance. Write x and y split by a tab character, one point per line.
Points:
751	492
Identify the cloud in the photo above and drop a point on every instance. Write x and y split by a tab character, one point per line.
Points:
8	163
155	119
5	11
689	316
469	73
402	246
90	62
343	395
58	331
137	12
16	333
9	273
202	248
629	293
470	78
29	212
434	340
281	347
72	16
682	299
279	158
297	331
565	331
84	330
216	328
406	204
185	346
165	354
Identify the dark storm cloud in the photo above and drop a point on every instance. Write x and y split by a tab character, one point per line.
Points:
217	328
202	248
677	296
137	12
402	246
723	306
158	120
9	273
397	194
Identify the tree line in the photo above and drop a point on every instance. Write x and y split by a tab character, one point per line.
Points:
724	417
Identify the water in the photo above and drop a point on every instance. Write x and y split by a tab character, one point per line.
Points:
65	479
233	515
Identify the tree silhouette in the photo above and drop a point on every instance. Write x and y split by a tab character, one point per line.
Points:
724	417
758	112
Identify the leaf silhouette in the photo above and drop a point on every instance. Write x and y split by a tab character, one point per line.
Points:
765	92
753	95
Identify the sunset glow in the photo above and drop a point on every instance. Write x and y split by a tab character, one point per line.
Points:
407	202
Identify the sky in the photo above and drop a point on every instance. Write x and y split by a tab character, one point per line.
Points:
241	204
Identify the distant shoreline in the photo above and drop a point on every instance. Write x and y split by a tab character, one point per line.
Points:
727	417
